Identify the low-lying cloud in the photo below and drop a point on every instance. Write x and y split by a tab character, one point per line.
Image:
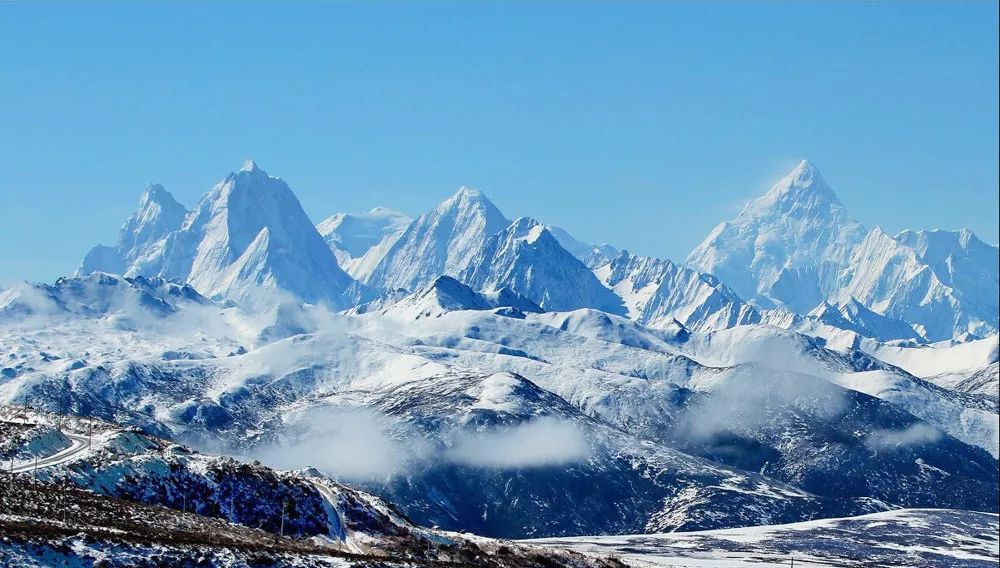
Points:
915	435
348	443
541	442
359	444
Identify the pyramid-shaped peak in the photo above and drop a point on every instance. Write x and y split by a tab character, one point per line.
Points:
805	169
803	176
250	166
468	199
155	190
525	224
467	195
447	285
156	193
802	188
527	228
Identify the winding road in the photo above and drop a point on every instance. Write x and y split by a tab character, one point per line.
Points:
77	444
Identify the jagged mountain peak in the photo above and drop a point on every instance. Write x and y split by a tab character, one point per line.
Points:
245	239
156	193
804	186
784	248
852	315
446	294
466	192
441	241
527	258
658	292
466	199
157	214
527	229
250	166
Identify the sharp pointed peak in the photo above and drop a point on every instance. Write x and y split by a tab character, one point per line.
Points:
804	175
470	198
444	282
805	166
250	166
466	193
526	222
804	184
156	193
528	229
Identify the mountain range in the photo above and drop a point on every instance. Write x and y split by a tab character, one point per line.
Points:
793	258
797	247
502	377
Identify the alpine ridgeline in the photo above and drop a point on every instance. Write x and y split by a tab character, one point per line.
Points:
798	247
246	240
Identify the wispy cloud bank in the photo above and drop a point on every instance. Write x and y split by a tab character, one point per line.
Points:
541	442
359	444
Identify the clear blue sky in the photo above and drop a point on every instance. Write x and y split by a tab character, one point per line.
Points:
642	125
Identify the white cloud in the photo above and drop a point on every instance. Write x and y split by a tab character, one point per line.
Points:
914	435
541	442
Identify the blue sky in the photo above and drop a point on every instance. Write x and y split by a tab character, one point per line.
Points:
642	125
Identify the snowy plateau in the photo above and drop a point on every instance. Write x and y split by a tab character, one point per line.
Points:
233	385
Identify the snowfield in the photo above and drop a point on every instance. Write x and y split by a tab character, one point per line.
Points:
915	538
681	429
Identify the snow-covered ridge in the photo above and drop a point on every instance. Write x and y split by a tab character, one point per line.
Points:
798	247
246	240
526	258
359	240
299	518
440	242
907	537
793	258
428	379
447	294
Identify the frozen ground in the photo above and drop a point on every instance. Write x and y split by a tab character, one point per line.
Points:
914	538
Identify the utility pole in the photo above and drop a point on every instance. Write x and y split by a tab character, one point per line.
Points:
284	504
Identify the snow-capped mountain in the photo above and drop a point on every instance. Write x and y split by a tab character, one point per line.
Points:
447	295
895	280
798	247
526	258
245	240
98	295
464	406
440	242
158	215
360	239
658	292
854	316
785	247
512	380
795	249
